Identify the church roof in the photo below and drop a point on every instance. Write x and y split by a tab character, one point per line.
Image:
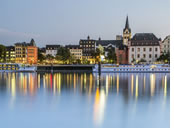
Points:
144	39
145	36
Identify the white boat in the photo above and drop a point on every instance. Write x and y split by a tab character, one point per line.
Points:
112	68
13	67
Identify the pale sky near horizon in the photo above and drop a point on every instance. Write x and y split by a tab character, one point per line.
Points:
68	21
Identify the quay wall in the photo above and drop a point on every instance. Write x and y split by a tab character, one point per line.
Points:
65	68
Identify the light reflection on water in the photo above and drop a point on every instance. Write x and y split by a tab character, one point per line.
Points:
111	100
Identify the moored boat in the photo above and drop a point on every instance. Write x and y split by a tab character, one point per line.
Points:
111	68
13	67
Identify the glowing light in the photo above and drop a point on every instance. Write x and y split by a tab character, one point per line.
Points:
152	84
117	83
74	80
132	84
99	107
38	80
107	79
136	89
165	86
13	86
59	87
144	83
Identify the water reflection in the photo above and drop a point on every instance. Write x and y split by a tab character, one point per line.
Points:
99	106
140	84
98	89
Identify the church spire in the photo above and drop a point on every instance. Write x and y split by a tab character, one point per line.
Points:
127	23
126	32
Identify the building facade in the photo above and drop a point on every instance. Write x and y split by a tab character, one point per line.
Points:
10	54
21	53
88	48
26	53
144	47
122	54
75	50
32	53
165	46
52	49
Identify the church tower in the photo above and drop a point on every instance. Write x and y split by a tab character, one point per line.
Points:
126	32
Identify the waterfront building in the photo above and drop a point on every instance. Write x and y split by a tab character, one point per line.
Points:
117	46
10	54
121	54
52	49
26	53
21	52
88	49
107	45
126	32
32	53
144	47
75	50
165	46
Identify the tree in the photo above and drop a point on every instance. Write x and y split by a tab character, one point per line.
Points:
97	53
71	59
165	57
141	61
2	53
111	57
41	57
78	61
63	54
133	60
49	57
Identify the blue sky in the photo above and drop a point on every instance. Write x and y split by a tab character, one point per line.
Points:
68	21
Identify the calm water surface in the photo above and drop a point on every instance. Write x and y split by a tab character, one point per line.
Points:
82	100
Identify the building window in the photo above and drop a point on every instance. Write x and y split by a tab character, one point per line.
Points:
138	56
144	49
156	55
150	49
132	56
156	49
138	49
150	56
132	49
144	55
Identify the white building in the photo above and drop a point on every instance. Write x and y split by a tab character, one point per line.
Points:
165	46
52	49
144	47
75	50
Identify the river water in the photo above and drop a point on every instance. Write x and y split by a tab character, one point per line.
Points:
85	100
